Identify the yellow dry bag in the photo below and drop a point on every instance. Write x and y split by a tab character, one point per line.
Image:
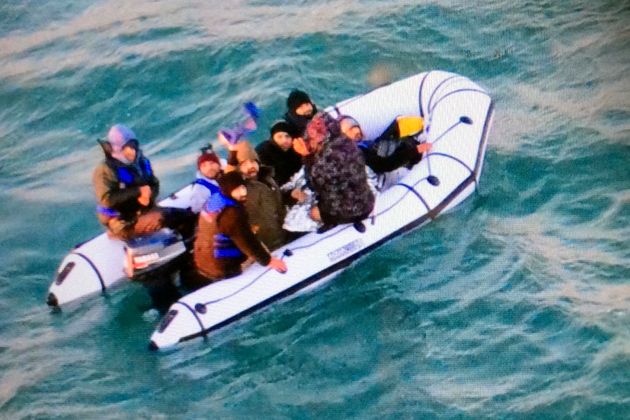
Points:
409	125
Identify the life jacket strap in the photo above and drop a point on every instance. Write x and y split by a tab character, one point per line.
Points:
224	247
209	185
106	211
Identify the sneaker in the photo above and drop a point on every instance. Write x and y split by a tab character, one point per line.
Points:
325	228
359	226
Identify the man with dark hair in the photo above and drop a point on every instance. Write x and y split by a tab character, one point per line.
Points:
224	237
278	153
265	207
300	110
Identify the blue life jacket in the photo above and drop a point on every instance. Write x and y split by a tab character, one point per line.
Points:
106	211
128	176
209	185
224	247
365	144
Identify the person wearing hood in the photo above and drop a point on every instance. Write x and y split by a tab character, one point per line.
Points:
278	153
224	238
300	110
337	174
264	205
208	170
126	189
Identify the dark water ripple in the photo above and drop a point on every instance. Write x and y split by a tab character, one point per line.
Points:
516	305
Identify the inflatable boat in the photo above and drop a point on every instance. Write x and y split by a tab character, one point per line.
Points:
457	114
98	264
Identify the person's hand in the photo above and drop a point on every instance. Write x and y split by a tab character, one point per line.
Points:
299	195
154	222
277	265
424	147
148	223
225	142
300	147
145	195
315	215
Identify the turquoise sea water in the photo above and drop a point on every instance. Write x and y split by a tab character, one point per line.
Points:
517	305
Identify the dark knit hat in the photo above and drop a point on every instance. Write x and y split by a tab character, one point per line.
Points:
208	156
297	98
280	126
229	182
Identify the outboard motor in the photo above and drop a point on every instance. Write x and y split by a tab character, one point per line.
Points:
154	260
145	254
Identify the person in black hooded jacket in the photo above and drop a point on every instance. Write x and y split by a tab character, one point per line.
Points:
278	153
300	110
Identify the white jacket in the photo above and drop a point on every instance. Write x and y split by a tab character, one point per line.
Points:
200	194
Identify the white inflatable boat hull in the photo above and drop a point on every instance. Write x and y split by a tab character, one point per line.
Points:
457	116
98	264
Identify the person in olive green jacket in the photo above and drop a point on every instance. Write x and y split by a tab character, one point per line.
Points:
126	190
265	207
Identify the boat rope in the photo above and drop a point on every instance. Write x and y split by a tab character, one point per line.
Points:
454	92
98	273
455	76
420	93
192	311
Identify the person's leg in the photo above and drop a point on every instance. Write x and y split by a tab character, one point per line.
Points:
292	236
183	221
357	222
328	221
160	285
359	225
163	295
119	229
149	222
192	279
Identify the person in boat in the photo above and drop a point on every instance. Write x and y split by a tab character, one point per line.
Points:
126	189
264	205
303	216
208	170
278	153
300	110
398	137
336	173
224	237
